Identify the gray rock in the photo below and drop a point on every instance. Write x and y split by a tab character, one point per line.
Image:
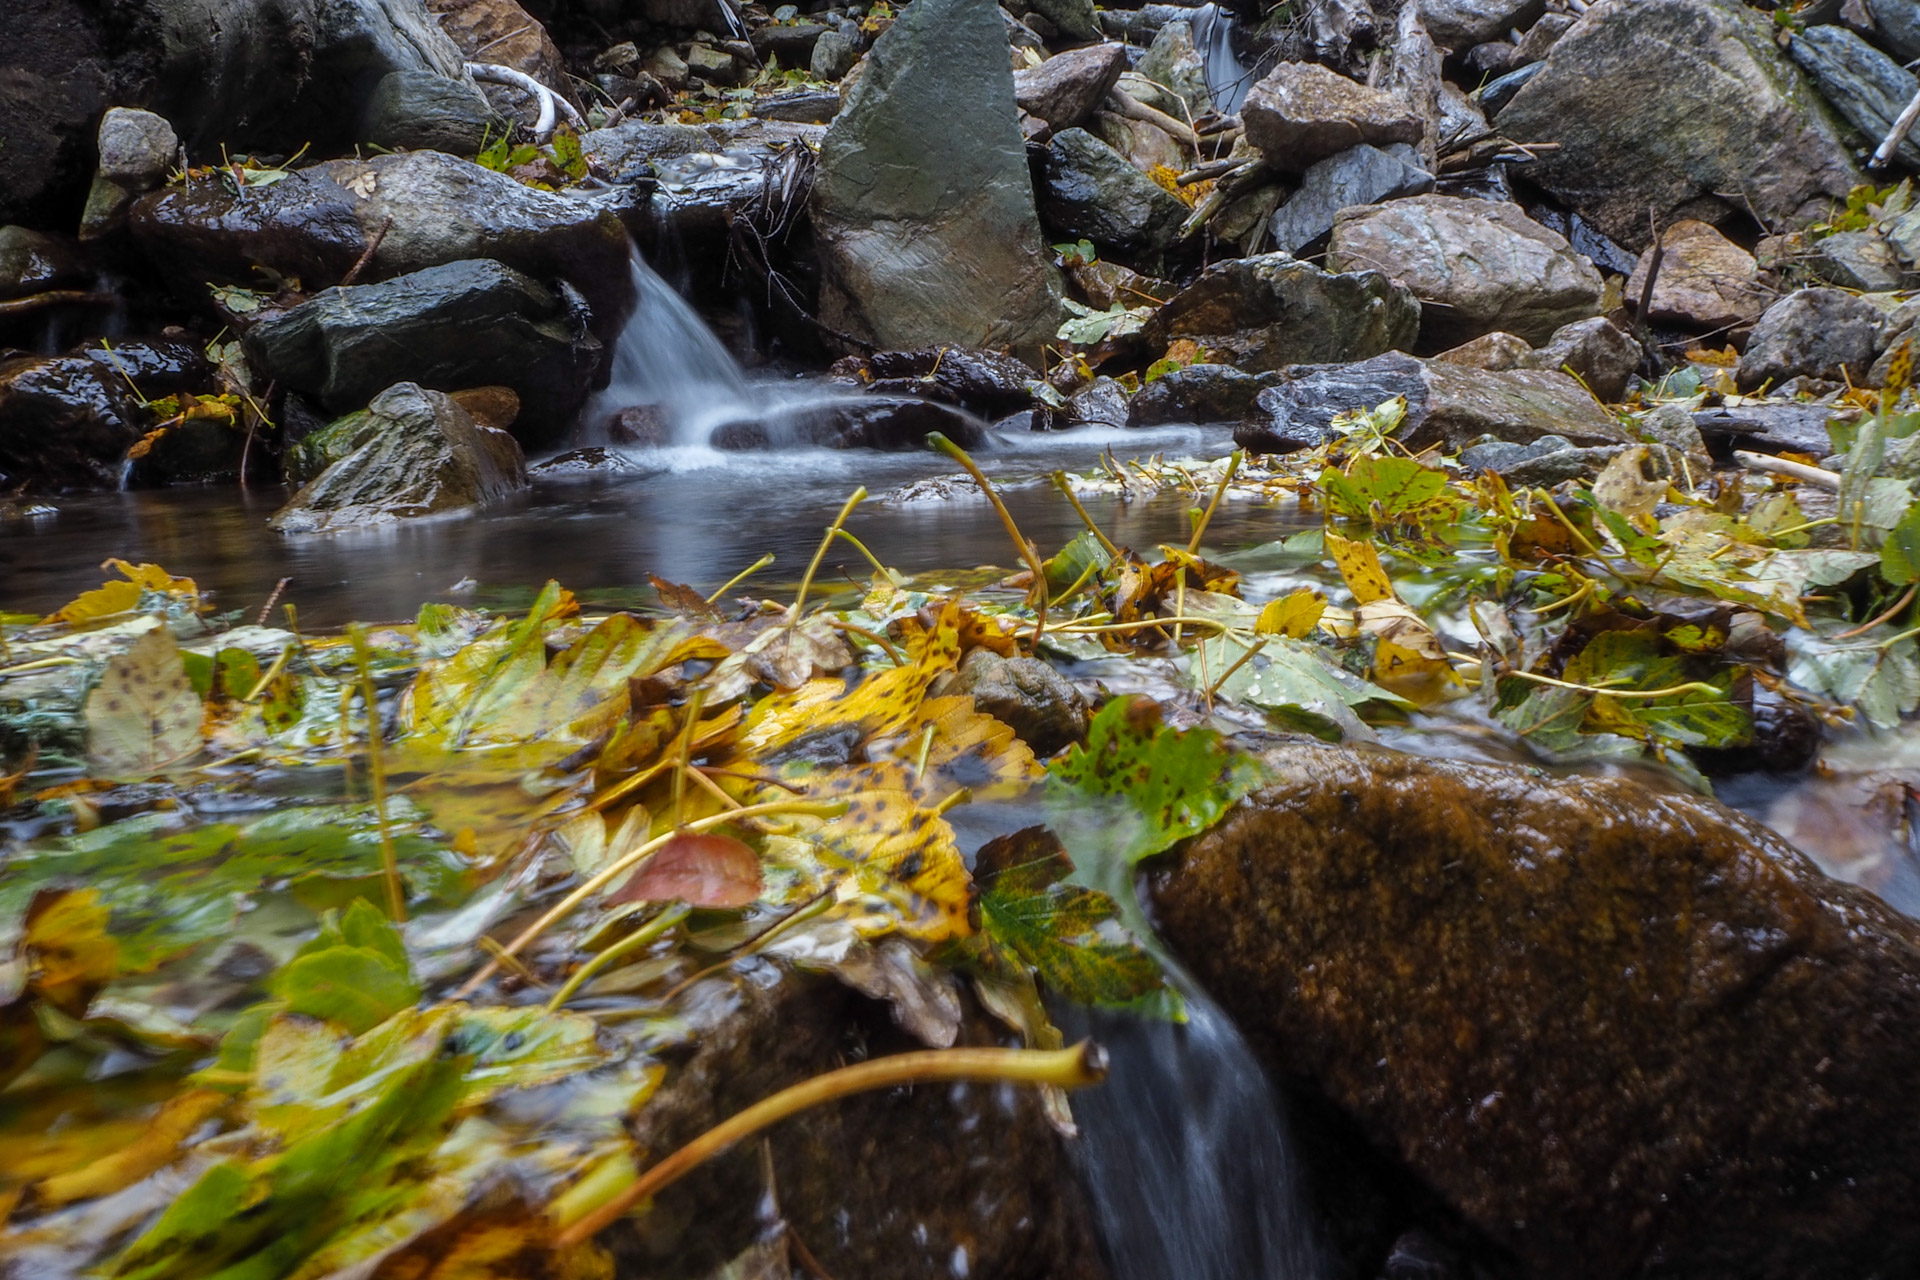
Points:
1502	455
1461	24
833	55
798	106
1090	190
1682	106
791	44
460	325
1540	38
1862	83
1598	351
1545	469
66	422
1671	425
1064	90
1483	266
1199	393
413	453
1770	428
1896	25
1172	60
34	261
667	66
1270	311
1101	403
1027	695
1861	260
1360	175
922	205
421	111
137	148
1446	404
1498	92
1816	332
1706	283
318	222
1074	19
1301	113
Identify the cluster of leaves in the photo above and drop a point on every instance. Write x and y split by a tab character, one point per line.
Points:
560	163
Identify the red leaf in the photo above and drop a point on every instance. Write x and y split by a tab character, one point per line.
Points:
699	870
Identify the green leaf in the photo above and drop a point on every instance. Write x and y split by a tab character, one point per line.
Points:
1386	487
568	154
357	987
1055	928
1073	560
1900	555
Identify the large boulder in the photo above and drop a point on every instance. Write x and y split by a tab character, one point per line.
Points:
1090	190
1272	310
460	325
67	422
415	210
1301	113
923	206
1199	393
253	74
413	453
1684	107
1623	1032
1706	281
1483	266
1446	404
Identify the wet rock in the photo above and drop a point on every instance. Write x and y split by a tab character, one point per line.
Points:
1596	350
1089	190
1104	283
833	55
1861	260
983	382
434	209
1864	85
951	1177
1896	26
1199	393
420	111
1446	404
1816	332
1171	60
413	453
1270	311
452	326
1623	1032
1064	90
1037	702
590	461
1461	24
1362	175
1769	428
702	174
1682	106
1485	266
491	406
137	148
1497	93
505	34
35	261
1301	113
66	422
898	423
791	45
922	205
1706	281
1786	738
641	426
1101	403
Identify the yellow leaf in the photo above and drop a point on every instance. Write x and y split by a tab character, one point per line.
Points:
154	1148
1360	565
880	704
120	597
70	954
1405	649
963	748
144	714
1623	485
1293	616
1725	359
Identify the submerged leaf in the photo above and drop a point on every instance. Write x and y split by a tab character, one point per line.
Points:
701	869
144	714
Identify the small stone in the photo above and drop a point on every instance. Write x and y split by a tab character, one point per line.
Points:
623	57
1302	113
1272	310
833	56
1358	176
1819	333
1673	426
1064	90
666	65
1199	393
1101	403
1172	61
1028	696
1461	24
1596	350
137	148
715	66
1073	19
1860	260
495	407
1486	266
1540	37
1497	93
1495	352
1706	282
1105	283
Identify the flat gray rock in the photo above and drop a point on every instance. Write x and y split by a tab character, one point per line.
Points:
1360	175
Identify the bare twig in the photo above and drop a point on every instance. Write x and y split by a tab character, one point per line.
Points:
373	247
1131	107
1792	470
1883	155
54	298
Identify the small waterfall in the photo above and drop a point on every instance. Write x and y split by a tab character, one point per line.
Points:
1227	80
667	359
1186	1154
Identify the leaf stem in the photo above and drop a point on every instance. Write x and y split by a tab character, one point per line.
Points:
1905	600
1082	1064
645	934
1200	525
389	862
1060	483
1692	686
1025	548
741	577
799	602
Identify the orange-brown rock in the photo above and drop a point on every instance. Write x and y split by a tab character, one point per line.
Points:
1623	1032
503	33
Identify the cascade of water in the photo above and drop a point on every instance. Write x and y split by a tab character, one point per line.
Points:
667	359
1187	1157
1227	79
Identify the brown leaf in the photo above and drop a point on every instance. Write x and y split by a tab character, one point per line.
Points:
699	869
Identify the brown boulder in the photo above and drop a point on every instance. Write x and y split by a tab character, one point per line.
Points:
1302	113
1064	90
1623	1032
1706	281
503	33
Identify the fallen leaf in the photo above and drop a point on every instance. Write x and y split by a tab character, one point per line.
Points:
701	869
144	714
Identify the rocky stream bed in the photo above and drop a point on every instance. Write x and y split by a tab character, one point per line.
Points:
1387	613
